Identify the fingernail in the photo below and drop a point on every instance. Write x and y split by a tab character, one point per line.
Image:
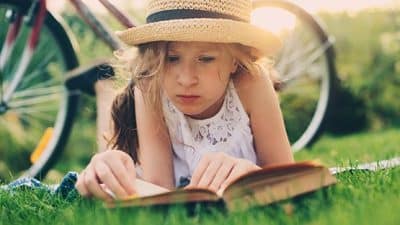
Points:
132	190
132	196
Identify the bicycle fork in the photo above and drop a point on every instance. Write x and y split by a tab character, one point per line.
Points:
34	19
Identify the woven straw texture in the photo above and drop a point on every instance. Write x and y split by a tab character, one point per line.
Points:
203	29
239	8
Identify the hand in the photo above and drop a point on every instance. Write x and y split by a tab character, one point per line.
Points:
113	169
217	170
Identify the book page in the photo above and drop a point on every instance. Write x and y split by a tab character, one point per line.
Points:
152	194
258	187
166	198
143	189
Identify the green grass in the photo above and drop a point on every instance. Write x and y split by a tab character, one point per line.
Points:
354	149
358	198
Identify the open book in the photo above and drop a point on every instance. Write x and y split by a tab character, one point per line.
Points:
261	187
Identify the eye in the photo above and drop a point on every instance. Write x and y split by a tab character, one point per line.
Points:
206	59
172	58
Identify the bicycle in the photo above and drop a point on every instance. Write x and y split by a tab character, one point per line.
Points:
36	105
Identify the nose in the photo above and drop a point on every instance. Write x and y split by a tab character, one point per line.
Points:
187	75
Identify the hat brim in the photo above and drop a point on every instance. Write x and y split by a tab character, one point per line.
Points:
204	30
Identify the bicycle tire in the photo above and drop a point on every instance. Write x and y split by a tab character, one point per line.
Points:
304	137
68	102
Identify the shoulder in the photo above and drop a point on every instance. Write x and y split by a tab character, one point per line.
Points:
253	89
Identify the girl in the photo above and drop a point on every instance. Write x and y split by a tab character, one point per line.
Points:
206	111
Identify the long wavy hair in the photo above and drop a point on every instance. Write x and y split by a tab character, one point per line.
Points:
143	68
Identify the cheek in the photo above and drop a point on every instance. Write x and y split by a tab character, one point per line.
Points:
215	72
167	76
169	86
225	69
167	89
170	76
166	83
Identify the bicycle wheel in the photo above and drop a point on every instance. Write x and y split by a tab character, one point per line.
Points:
305	64
37	114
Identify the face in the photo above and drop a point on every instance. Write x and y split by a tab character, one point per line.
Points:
196	77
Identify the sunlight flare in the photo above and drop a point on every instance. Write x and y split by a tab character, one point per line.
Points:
273	19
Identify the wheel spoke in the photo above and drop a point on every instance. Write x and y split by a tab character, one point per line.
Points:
36	114
48	83
305	66
303	60
38	91
40	69
33	100
301	49
32	82
44	111
290	55
44	108
22	66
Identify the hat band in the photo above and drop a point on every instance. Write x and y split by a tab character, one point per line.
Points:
188	14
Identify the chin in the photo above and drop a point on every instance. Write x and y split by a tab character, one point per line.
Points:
190	112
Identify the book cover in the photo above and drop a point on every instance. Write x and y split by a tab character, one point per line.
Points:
261	187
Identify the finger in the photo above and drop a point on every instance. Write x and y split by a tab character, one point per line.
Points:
198	172
221	176
92	184
236	172
105	174
130	178
123	177
240	167
209	174
80	185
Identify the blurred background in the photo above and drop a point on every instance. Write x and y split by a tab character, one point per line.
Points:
367	49
367	45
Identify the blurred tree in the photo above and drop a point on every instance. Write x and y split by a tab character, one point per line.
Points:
368	61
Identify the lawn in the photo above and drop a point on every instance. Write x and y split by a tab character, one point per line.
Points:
358	198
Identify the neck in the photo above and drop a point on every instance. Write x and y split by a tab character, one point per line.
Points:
211	111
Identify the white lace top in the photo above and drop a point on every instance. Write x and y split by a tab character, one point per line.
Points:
228	131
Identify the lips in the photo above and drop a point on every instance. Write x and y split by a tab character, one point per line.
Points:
188	98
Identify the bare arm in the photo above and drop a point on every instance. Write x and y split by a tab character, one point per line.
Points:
154	153
261	103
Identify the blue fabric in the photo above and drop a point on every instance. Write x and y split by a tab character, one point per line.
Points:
66	189
67	185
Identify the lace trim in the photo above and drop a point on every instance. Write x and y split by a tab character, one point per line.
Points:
219	128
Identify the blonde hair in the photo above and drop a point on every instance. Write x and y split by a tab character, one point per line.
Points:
146	68
143	67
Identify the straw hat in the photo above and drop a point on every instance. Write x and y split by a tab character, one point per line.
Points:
218	21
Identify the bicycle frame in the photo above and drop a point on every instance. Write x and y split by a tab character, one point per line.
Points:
97	26
35	19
